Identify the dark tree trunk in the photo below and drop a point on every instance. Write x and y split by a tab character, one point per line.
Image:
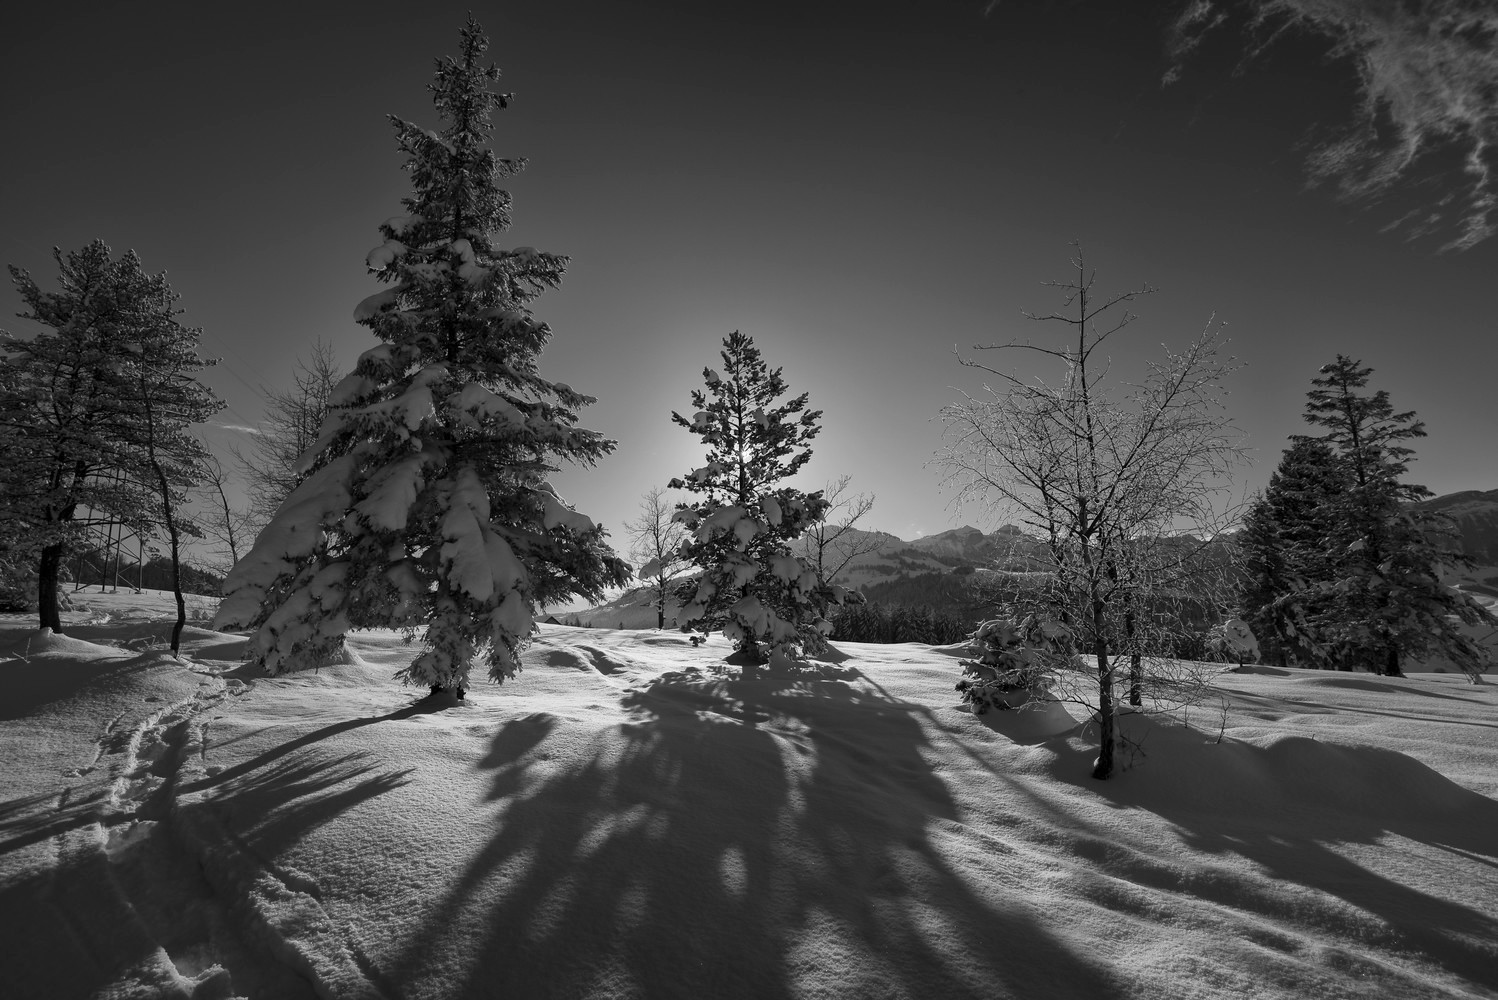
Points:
171	522
748	658
1103	769
1136	666
104	561
1391	662
171	527
48	612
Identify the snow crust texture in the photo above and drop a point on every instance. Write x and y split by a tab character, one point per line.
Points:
625	820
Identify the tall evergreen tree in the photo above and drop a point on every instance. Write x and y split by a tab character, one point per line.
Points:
751	585
1384	599
427	505
94	409
1285	555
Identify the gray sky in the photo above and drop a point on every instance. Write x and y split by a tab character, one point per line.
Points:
859	187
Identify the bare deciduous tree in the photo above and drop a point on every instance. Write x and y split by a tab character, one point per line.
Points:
656	544
226	524
1095	468
293	418
833	542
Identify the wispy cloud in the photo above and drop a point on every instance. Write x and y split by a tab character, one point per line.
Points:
239	427
1428	84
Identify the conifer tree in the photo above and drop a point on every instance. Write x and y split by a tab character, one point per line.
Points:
1383	596
94	409
751	585
1284	553
427	507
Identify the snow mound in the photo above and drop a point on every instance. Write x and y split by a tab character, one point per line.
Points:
1253	773
45	644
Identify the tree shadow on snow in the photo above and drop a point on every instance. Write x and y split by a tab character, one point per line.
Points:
1389	686
272	808
53	686
425	706
763	839
1287	807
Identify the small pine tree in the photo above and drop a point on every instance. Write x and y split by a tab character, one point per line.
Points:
1012	662
751	586
427	503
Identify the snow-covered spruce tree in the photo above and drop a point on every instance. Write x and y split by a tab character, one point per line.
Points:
751	586
1383	598
1013	662
427	504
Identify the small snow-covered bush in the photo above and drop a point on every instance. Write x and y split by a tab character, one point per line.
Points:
1013	662
1233	641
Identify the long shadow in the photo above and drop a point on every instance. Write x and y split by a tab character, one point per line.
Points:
1291	833
169	897
63	681
37	824
1383	687
1318	708
423	707
746	840
284	801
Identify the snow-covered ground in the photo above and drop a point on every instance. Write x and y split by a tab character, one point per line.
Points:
622	821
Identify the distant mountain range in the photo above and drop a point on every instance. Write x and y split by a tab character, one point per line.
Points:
925	570
1476	515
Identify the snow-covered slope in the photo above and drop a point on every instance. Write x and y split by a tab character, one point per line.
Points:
623	821
1476	515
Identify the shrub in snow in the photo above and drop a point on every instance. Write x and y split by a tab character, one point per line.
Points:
426	507
1012	662
1233	640
751	586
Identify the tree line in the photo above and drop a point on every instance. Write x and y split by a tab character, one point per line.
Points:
95	418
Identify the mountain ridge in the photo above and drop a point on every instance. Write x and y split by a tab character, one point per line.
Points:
966	549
